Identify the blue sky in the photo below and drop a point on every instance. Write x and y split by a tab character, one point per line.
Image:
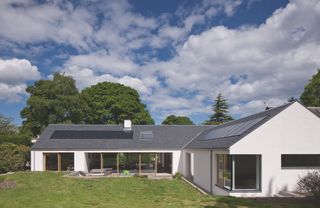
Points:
177	54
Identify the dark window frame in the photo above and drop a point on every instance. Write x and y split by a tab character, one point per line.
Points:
293	161
232	176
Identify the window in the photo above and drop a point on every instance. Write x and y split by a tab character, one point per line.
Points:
246	172
51	161
148	162
58	161
110	161
239	172
146	135
224	171
308	161
67	161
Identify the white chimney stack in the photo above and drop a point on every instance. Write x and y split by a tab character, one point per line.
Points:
127	125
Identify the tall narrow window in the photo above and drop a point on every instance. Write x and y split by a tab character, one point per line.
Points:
224	171
220	170
67	161
51	161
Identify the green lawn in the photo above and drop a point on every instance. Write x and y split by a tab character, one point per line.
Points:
52	190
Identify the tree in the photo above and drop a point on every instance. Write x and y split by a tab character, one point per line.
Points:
292	99
13	157
22	139
6	126
111	103
311	93
220	109
51	101
177	120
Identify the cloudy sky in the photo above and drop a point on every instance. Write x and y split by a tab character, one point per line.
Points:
178	54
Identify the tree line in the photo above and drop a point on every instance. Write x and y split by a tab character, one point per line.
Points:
59	101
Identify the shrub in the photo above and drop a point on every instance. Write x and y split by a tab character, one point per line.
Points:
126	172
310	183
13	157
3	167
16	139
177	176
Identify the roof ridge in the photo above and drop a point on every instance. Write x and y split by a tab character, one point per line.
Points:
255	120
256	114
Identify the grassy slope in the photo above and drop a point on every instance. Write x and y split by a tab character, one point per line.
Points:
53	190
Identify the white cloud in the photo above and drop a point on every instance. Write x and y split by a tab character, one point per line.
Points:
250	65
254	106
28	22
12	93
103	62
269	62
86	77
14	73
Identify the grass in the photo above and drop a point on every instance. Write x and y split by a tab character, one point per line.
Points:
50	189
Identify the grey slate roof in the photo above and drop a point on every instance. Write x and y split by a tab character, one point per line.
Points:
225	135
163	137
315	110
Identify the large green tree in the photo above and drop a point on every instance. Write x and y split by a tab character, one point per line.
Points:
51	101
6	126
311	93
220	108
177	120
111	103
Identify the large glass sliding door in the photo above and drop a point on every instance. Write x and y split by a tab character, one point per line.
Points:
129	162
148	162
164	163
58	161
110	161
239	172
51	161
132	163
94	161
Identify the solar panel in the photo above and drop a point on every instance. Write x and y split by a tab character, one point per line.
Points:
233	129
82	134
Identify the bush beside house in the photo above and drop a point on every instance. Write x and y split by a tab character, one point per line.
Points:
14	147
310	184
13	157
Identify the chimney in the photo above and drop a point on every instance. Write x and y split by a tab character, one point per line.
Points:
127	125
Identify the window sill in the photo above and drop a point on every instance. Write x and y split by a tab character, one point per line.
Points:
239	190
245	191
299	168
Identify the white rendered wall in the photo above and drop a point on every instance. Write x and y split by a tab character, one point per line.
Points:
201	170
293	131
177	162
37	162
80	161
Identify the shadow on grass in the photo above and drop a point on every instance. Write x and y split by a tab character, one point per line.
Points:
234	202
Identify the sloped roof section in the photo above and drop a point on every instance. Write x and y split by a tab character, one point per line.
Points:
112	137
225	135
315	110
